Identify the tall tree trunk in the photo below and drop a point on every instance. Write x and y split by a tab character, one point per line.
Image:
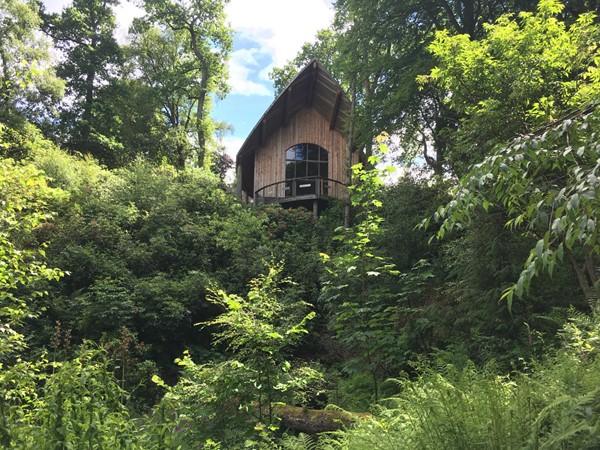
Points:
349	153
586	276
200	107
590	264
87	108
468	17
5	84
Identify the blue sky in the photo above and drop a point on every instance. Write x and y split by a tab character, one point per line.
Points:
268	33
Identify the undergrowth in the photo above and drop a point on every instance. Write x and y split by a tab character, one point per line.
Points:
553	404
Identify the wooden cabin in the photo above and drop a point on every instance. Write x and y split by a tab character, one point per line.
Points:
297	154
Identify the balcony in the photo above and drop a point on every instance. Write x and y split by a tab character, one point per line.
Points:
299	190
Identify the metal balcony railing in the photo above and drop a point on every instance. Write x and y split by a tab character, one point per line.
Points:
306	188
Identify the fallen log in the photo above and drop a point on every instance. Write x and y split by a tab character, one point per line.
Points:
313	421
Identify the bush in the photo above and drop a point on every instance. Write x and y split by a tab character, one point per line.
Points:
552	404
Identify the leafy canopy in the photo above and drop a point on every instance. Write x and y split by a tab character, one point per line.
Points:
529	73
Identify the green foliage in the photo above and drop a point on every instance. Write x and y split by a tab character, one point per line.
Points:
545	182
79	404
211	402
258	330
142	247
81	407
356	275
496	98
551	405
24	194
296	238
151	249
232	401
404	205
382	48
84	32
207	39
547	185
169	78
28	85
129	123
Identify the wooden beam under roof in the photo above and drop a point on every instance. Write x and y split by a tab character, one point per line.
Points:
263	132
336	110
311	87
286	107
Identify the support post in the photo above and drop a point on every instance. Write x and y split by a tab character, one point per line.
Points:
239	182
349	151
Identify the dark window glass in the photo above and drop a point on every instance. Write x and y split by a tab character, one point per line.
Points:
313	153
289	169
304	163
323	170
323	154
300	169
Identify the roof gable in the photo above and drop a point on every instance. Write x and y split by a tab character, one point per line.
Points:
313	87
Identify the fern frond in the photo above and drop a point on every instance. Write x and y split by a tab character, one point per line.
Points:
310	443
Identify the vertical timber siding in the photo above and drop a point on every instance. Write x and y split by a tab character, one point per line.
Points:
307	126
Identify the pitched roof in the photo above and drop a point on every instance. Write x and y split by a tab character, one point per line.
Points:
313	87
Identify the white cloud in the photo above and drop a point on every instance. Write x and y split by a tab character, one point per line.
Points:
232	144
241	65
278	27
55	6
125	12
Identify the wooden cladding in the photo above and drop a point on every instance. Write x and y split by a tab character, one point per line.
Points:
312	92
306	126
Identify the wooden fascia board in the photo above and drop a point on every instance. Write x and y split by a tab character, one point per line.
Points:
336	110
312	85
263	132
286	107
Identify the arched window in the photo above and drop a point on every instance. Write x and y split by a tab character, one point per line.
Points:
304	163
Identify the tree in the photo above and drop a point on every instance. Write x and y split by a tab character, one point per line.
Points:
221	398
383	47
258	330
161	61
28	84
545	182
528	70
84	32
208	40
127	114
25	195
355	287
